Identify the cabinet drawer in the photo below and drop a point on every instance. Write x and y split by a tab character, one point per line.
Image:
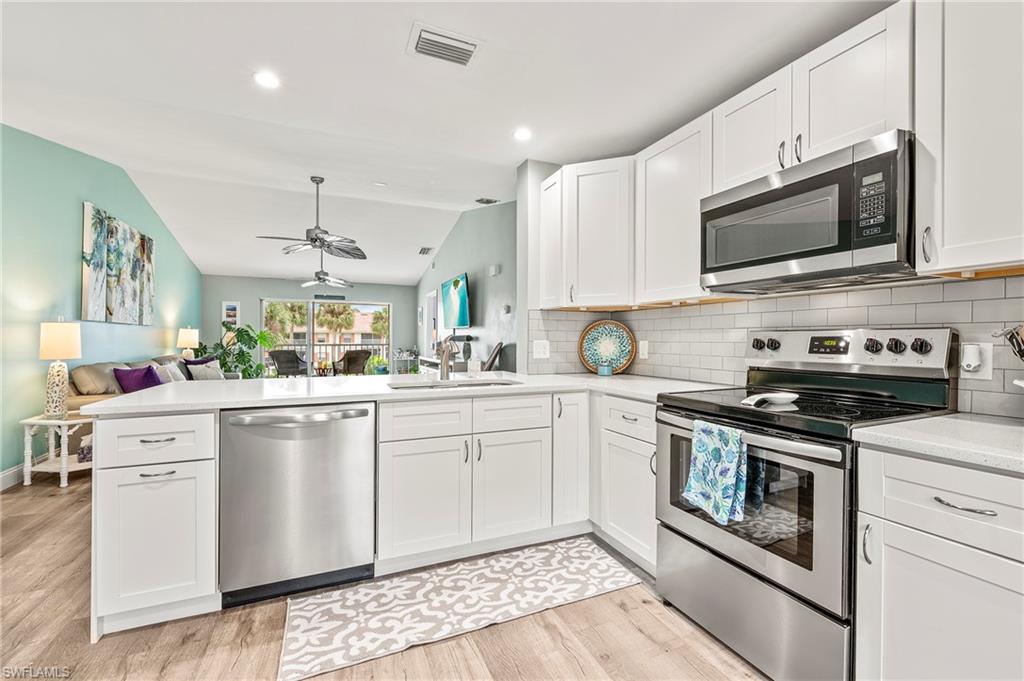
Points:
906	490
154	440
433	418
491	414
629	417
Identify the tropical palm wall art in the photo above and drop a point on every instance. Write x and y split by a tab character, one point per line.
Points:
117	270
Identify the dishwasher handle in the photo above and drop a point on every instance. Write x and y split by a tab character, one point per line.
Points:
292	420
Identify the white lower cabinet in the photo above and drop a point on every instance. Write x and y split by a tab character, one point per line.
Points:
931	608
155	538
627	493
570	458
425	497
511	482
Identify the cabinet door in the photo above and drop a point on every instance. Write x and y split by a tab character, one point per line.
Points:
552	280
672	176
599	232
155	535
627	493
570	496
969	146
929	608
855	86
752	131
424	499
511	482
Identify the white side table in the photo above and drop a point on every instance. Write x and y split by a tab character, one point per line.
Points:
53	463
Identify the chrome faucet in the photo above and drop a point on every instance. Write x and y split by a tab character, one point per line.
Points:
448	347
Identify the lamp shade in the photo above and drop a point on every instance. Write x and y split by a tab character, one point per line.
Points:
60	340
188	338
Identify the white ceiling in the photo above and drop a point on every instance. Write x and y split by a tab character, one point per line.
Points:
165	90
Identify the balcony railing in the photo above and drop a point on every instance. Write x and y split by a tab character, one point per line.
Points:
331	352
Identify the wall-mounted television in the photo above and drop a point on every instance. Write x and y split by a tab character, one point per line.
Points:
455	302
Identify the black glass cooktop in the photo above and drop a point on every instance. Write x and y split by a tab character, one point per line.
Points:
816	412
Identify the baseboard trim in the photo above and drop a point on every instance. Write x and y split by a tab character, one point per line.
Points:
390	566
108	624
11	477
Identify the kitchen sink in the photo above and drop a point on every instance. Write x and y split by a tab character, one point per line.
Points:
454	383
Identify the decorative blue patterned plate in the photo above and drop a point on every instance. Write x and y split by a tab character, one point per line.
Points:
607	342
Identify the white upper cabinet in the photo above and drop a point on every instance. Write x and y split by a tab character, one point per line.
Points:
598	231
552	280
855	86
752	131
672	175
969	150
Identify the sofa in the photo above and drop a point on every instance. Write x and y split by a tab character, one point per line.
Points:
90	383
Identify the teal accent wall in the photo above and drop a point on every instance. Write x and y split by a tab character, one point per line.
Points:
481	238
249	291
43	187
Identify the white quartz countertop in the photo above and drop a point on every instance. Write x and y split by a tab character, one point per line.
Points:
196	396
993	442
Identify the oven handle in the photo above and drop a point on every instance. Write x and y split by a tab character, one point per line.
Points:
777	444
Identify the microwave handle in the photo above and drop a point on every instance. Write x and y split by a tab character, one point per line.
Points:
811	451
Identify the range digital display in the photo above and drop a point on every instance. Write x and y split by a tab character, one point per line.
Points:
829	345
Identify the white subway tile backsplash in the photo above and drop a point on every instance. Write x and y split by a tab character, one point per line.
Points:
940	313
707	342
931	293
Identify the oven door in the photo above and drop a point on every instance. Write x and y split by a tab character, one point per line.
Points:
795	529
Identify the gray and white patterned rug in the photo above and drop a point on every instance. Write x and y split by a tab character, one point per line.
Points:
341	628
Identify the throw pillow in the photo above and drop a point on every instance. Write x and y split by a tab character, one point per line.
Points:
170	373
97	379
132	380
206	369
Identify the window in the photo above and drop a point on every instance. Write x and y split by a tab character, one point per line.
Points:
321	338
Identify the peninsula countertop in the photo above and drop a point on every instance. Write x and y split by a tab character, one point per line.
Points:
976	440
202	396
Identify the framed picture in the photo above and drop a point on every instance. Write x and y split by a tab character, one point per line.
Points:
229	312
117	270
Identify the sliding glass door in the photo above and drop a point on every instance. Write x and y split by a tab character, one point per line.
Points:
327	338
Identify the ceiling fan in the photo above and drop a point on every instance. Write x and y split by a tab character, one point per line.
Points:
321	276
318	237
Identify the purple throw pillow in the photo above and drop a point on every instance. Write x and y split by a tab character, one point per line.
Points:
132	380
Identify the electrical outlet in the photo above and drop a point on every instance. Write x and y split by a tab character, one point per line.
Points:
983	372
541	349
643	349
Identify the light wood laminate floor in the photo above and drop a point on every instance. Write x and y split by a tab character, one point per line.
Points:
44	622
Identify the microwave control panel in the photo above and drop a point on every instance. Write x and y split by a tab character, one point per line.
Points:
874	201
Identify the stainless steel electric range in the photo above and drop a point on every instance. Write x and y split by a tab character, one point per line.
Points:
777	586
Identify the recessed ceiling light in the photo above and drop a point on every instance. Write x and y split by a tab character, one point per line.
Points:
380	184
522	134
267	79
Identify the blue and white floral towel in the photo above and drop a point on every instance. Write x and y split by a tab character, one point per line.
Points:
717	482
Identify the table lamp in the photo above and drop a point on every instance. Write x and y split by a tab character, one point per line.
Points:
58	341
188	340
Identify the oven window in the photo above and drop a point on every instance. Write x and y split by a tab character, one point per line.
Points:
778	507
804	222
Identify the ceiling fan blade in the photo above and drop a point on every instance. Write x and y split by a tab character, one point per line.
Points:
280	238
337	283
350	251
307	284
338	239
297	248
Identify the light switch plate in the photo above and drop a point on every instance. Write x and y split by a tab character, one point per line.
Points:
643	349
541	349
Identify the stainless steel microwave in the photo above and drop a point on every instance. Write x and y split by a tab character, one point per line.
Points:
836	220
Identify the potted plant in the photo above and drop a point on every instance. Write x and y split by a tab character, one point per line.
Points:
376	365
235	350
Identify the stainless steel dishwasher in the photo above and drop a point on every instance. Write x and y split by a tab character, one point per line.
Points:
296	499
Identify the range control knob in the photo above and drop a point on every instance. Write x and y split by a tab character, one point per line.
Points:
774	344
921	346
757	344
873	345
896	345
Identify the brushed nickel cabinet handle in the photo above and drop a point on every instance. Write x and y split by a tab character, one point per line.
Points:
924	243
479	449
559	407
864	544
465	444
796	148
157	475
571	289
157	442
651	464
979	511
782	147
631	419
